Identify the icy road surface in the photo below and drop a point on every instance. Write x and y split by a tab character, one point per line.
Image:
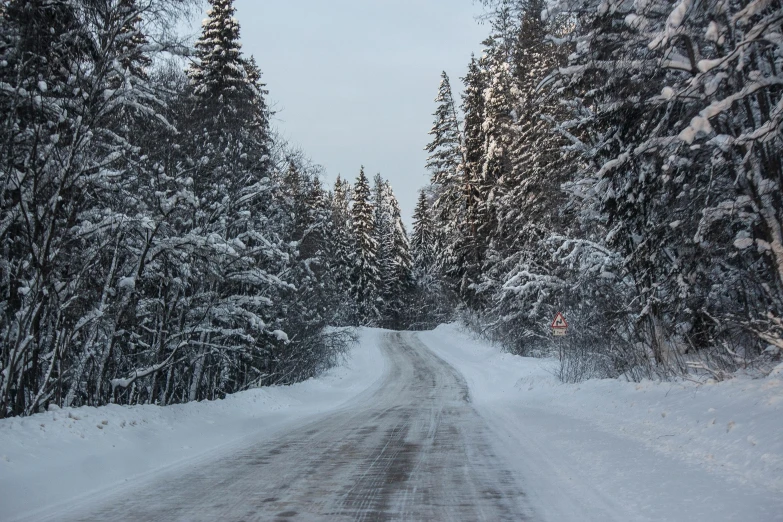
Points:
417	426
415	449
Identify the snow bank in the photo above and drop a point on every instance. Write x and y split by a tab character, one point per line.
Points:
53	458
644	451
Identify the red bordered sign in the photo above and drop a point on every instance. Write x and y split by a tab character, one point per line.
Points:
559	321
559	325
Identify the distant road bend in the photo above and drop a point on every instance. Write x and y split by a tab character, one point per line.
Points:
414	449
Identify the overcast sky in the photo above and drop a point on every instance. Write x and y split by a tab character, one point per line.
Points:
354	81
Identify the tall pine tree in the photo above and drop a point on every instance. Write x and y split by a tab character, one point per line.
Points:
423	251
470	248
219	71
397	282
445	163
342	251
365	280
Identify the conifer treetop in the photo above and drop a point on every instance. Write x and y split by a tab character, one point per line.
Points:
445	149
220	70
132	39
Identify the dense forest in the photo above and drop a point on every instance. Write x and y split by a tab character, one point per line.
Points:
616	161
159	243
620	162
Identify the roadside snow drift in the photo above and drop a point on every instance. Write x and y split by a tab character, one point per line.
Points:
609	449
51	459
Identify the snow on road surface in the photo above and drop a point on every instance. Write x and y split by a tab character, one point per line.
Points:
52	461
613	450
421	426
411	449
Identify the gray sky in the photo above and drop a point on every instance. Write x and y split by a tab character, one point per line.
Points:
354	81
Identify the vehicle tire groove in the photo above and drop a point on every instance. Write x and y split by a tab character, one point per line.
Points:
415	449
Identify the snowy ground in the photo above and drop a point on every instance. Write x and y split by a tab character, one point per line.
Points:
413	448
53	460
607	449
401	434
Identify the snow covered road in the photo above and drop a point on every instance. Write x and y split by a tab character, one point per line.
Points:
439	426
415	449
607	449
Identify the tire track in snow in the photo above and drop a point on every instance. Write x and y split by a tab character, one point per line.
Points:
415	449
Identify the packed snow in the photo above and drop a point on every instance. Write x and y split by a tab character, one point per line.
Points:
609	449
51	460
598	450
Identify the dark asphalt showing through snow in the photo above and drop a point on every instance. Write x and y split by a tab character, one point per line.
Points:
415	449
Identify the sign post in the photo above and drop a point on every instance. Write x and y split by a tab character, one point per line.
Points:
560	329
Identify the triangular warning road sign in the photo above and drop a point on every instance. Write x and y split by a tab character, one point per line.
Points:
559	321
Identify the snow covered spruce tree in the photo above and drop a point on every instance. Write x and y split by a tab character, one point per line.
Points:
254	325
365	279
381	234
211	248
444	164
423	250
131	41
396	267
500	100
470	247
428	304
342	248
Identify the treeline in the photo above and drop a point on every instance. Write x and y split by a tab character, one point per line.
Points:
159	244
620	162
374	261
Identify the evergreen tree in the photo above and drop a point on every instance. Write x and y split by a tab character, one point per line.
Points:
423	238
397	280
444	163
343	251
227	118
219	72
365	280
531	202
470	248
429	304
259	113
131	40
445	149
242	244
382	233
500	101
229	108
309	307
